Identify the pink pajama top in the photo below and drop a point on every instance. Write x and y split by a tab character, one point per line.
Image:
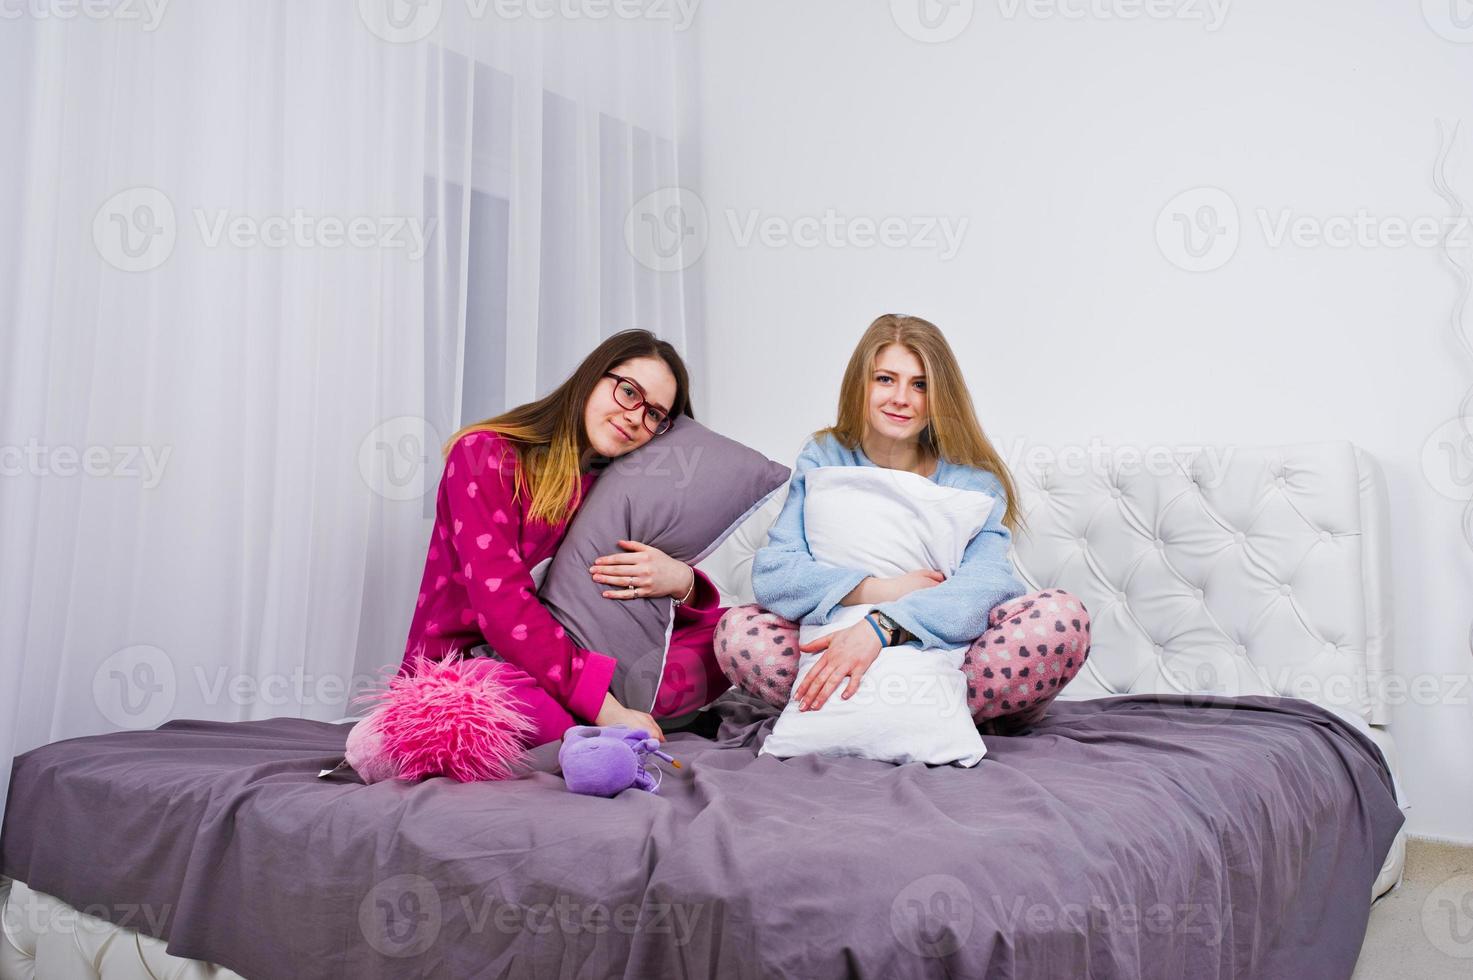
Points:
478	587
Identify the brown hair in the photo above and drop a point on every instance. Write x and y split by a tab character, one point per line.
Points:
952	431
548	434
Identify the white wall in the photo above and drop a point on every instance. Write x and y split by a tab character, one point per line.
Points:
1060	141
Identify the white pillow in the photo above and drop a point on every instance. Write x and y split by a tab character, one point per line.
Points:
911	705
729	567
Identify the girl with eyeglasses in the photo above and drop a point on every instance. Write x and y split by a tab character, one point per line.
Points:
510	487
903	404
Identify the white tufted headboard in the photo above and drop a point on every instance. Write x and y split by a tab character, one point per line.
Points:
1228	570
1224	571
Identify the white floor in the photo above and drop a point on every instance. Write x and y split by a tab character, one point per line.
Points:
1424	928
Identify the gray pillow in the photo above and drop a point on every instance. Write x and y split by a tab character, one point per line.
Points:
682	492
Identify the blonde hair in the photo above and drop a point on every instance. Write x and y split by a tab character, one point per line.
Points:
548	434
952	431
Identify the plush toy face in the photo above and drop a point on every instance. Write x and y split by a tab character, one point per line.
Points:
605	761
634	737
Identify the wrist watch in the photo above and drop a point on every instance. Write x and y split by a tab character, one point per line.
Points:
896	631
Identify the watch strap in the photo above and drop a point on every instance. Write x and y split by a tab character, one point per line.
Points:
878	631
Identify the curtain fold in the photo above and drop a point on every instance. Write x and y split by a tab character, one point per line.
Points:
260	259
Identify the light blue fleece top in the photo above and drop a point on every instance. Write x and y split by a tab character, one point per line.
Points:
789	581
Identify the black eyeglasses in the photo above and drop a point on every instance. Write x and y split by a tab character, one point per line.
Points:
630	395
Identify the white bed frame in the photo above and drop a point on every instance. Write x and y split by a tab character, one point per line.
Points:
1225	570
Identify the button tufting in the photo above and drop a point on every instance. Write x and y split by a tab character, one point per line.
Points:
1329	648
1115	492
1083	542
1281	482
1160	544
1198	593
1239	537
1241	650
1284	590
1120	597
1325	536
1160	649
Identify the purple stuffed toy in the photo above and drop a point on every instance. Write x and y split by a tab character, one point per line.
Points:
605	761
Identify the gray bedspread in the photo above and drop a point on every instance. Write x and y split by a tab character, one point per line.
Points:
1126	837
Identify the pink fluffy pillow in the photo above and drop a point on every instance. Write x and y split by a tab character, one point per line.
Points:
455	717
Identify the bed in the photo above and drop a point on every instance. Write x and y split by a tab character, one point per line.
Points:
1216	796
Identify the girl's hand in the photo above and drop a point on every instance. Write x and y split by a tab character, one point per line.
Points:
903	585
642	572
614	713
849	652
875	590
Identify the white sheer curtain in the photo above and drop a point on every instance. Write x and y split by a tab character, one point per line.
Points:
257	259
